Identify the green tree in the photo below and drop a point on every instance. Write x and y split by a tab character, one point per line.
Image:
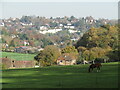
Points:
46	42
48	56
99	41
12	43
81	50
69	49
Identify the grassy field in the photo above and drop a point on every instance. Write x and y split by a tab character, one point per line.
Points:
76	76
17	56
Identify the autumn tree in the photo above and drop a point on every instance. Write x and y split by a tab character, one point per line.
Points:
99	42
81	49
48	56
12	43
69	49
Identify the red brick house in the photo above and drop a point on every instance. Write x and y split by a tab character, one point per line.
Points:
9	63
21	49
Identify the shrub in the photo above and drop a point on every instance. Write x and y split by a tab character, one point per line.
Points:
2	66
99	60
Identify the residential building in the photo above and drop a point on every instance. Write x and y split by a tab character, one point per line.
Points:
66	59
9	63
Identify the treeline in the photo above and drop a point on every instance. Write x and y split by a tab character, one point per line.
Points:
50	54
99	44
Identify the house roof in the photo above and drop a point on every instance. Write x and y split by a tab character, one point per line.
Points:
61	58
22	47
66	56
5	59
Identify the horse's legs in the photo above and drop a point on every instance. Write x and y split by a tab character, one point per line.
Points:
98	69
89	69
92	69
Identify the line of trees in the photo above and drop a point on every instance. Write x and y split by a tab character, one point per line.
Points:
99	44
50	54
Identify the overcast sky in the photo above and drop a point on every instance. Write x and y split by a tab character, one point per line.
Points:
108	10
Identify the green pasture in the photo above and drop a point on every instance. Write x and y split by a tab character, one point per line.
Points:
75	76
17	56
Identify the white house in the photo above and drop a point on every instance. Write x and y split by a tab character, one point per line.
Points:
73	31
13	36
26	43
69	27
2	24
50	31
24	24
40	49
69	24
61	25
43	28
74	39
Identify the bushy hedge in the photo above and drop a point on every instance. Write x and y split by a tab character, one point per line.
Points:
2	66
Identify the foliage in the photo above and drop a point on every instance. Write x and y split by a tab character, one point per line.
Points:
2	66
2	40
114	55
48	56
69	49
46	42
12	43
24	36
99	42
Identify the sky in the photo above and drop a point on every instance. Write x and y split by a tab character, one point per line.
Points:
98	9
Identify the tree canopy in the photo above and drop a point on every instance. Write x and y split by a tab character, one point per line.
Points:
48	56
99	42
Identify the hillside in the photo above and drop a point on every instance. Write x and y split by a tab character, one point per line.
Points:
41	31
99	43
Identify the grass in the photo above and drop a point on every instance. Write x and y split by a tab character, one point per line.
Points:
76	76
17	56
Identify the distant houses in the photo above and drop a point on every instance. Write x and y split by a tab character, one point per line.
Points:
73	31
26	24
26	49
21	49
74	39
43	28
47	29
50	31
69	26
2	24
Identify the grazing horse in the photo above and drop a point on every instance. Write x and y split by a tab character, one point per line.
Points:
96	65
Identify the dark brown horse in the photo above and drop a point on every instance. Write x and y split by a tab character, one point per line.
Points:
96	65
